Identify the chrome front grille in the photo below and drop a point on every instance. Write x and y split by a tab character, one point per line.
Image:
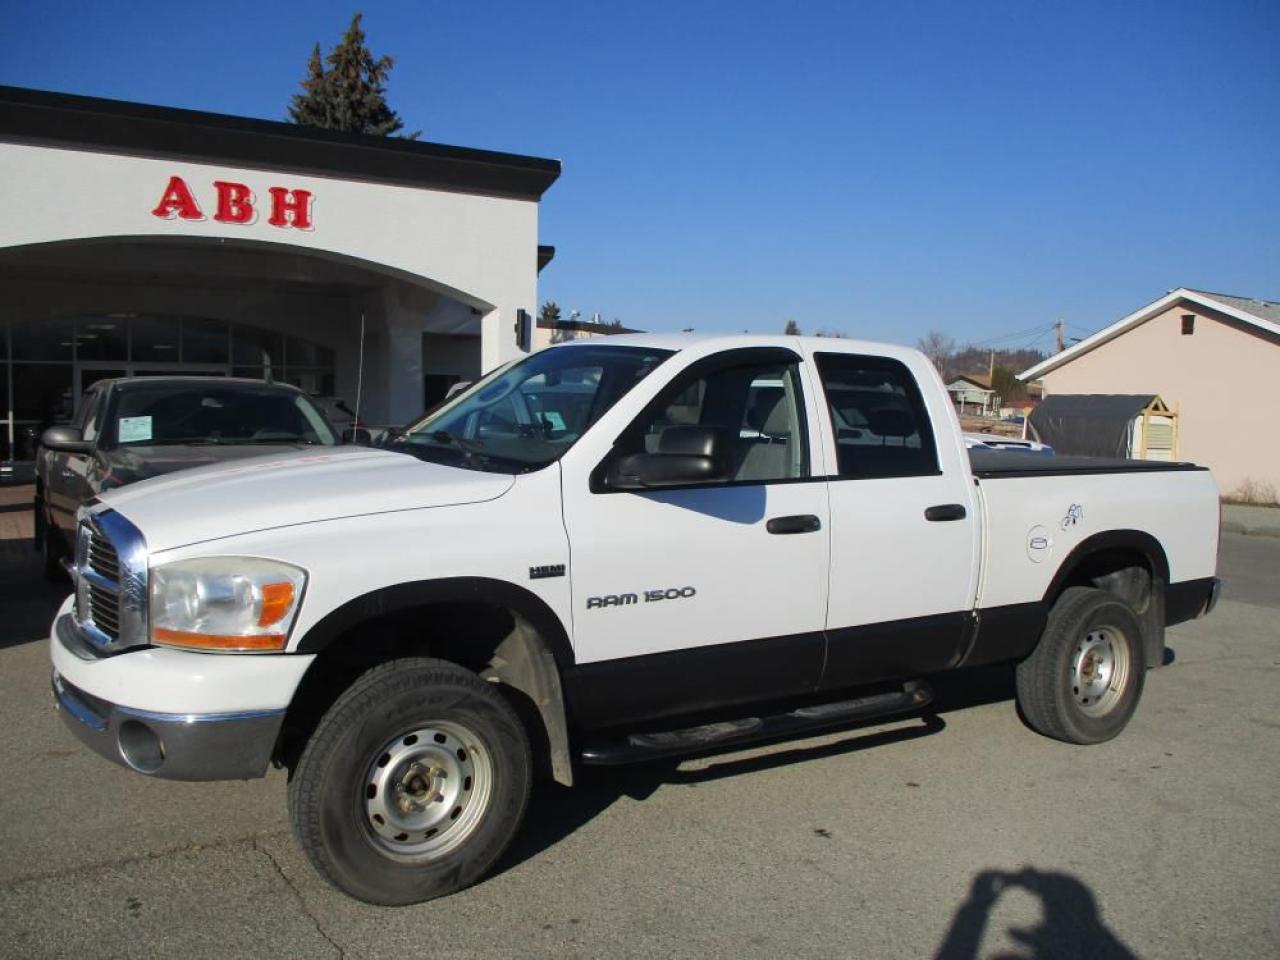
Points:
111	581
104	611
102	556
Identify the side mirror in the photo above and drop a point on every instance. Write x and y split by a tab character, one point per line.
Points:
643	471
65	440
685	455
357	435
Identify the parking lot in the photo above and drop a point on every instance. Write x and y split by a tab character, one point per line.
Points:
957	835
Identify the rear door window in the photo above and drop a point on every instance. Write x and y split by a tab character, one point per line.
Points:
878	416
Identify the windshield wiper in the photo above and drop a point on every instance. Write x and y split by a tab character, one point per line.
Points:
469	447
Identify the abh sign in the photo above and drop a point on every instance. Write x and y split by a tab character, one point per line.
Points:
236	203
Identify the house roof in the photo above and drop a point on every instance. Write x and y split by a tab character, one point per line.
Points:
1263	309
1263	314
981	381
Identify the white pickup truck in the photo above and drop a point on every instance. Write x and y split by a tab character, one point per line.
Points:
605	552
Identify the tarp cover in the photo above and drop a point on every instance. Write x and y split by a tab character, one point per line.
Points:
1088	424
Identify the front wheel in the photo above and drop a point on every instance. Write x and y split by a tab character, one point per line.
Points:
413	783
1084	679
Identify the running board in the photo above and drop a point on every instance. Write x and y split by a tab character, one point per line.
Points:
638	747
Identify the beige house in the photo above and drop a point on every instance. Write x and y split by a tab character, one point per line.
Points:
1213	358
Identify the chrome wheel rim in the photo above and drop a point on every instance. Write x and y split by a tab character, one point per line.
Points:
426	790
1099	670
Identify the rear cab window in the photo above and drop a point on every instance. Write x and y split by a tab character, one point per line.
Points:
878	417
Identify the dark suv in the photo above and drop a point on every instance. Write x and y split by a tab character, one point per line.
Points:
131	429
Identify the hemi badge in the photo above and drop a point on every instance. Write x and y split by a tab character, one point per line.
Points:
549	570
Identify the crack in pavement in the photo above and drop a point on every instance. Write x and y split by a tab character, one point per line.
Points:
302	904
84	868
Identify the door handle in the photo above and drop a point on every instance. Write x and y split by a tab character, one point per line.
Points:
800	523
946	511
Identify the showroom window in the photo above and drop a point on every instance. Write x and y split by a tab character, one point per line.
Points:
47	365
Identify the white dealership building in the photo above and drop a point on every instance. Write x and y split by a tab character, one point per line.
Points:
141	240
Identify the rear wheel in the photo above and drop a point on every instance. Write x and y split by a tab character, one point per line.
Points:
1084	679
413	783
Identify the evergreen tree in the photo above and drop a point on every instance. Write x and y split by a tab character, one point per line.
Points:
550	312
350	94
792	329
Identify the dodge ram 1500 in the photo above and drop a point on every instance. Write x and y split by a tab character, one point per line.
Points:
604	552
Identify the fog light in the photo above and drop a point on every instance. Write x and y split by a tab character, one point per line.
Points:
140	747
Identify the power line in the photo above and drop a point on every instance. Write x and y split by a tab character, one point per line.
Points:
991	341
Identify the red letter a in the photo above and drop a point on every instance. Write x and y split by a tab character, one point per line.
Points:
235	202
177	199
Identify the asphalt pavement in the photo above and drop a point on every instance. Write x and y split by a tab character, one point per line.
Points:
958	835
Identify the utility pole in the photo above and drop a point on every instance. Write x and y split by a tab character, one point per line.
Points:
1062	335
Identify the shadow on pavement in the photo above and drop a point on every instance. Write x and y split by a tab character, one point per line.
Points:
27	601
555	811
1070	925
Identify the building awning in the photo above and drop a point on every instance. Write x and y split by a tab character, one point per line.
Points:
115	126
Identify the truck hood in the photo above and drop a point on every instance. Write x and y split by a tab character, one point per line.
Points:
245	496
133	463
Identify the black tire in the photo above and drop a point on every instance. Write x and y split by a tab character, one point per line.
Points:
338	781
1083	681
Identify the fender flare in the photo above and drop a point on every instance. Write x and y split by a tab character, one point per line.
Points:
1138	540
417	593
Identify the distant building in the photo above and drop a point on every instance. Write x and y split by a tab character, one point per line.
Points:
1017	408
1214	358
972	393
559	331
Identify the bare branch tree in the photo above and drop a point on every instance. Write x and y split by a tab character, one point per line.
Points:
939	348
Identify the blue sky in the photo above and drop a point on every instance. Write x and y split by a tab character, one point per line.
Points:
880	169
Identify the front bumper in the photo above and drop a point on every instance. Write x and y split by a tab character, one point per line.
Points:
194	746
173	714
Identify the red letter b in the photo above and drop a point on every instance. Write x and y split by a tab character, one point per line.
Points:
235	202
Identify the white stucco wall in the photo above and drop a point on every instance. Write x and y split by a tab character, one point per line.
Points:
481	250
1222	380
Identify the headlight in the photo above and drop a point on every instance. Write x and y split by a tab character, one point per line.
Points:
232	604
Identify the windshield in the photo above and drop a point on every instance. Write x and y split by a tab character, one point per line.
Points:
215	413
525	415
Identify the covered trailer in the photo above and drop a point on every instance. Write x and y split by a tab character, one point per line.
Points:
1135	426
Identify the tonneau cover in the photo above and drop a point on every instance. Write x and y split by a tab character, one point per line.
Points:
988	464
